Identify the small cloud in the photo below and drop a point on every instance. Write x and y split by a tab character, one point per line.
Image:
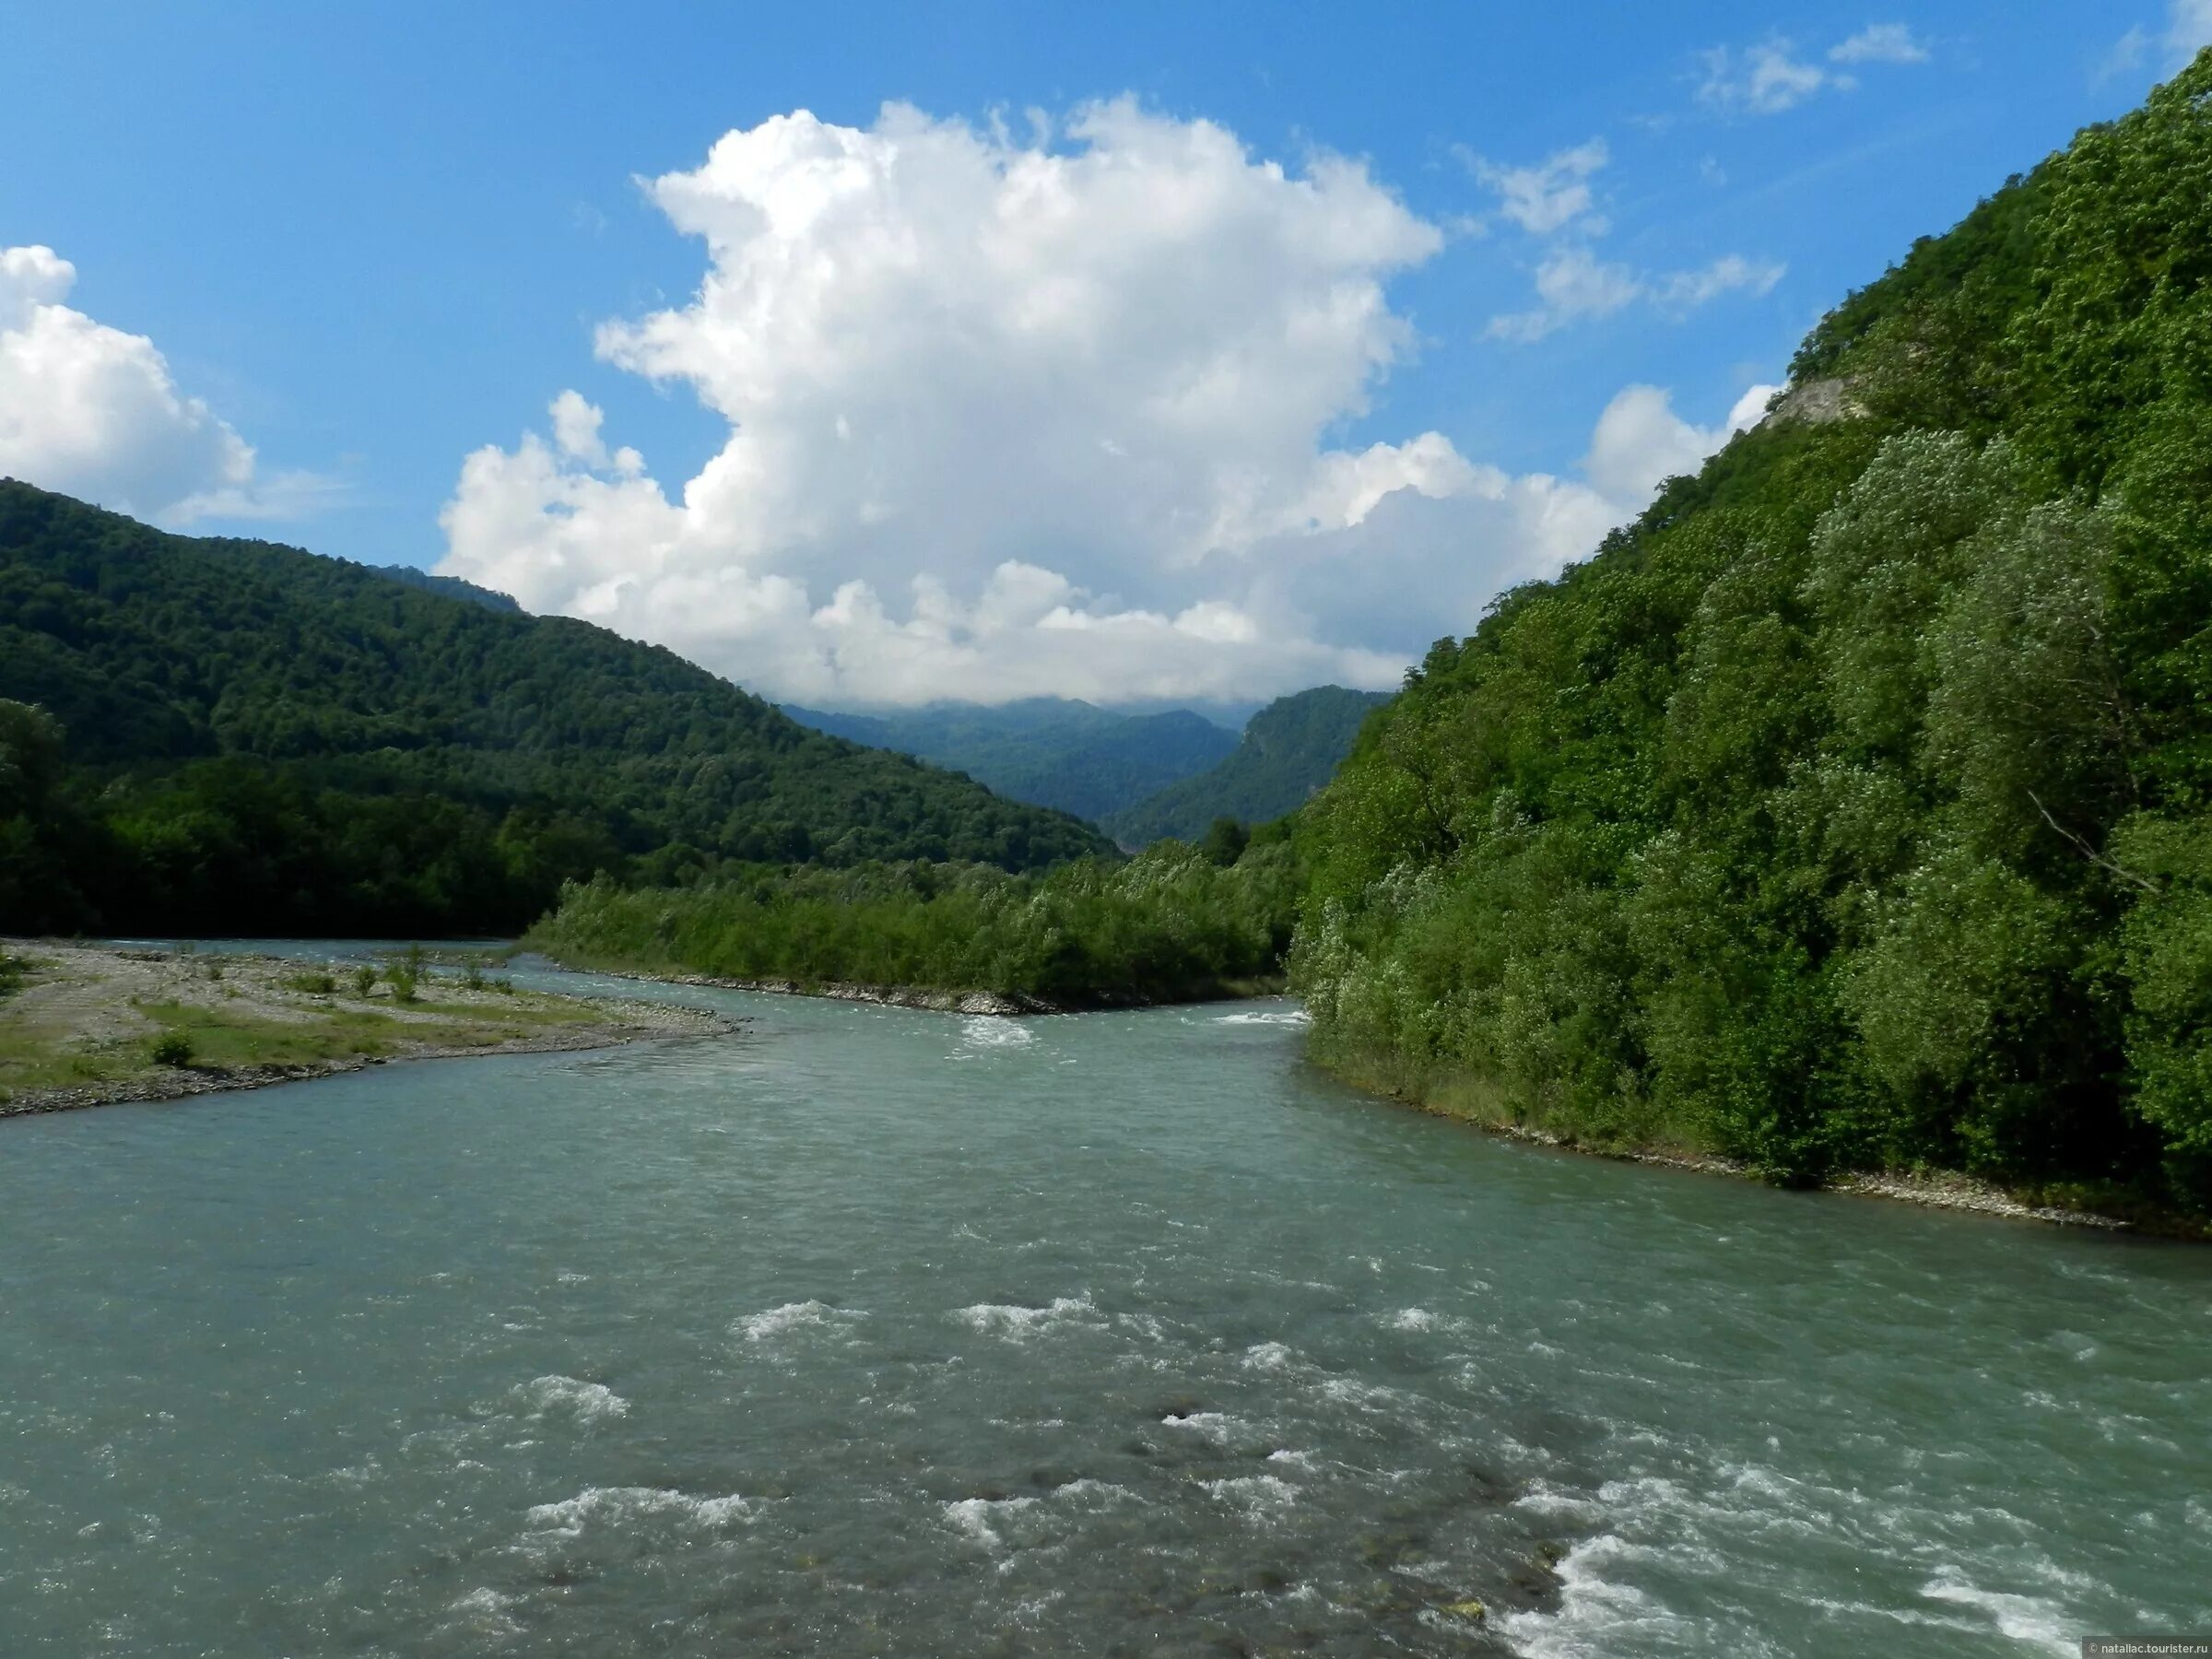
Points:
1764	79
1685	290
2124	58
2188	30
1551	195
1573	284
1880	44
1770	77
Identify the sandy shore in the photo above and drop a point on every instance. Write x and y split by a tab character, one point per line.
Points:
891	996
84	1027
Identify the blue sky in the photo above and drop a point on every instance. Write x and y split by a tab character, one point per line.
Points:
374	243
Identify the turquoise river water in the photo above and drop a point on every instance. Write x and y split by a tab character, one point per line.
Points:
868	1331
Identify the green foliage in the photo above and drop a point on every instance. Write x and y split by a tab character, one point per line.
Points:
233	736
364	979
172	1048
311	984
1852	808
1288	752
1226	841
13	970
1168	924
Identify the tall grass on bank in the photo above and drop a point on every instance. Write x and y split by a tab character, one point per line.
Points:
1168	925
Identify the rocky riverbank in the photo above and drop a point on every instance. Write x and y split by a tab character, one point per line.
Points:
91	1025
1932	1190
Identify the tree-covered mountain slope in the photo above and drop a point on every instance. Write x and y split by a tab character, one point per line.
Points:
452	587
254	739
1050	751
1288	750
1854	806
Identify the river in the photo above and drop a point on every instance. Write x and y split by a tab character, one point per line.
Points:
871	1331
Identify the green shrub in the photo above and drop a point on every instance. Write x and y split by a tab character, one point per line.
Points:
364	979
172	1048
311	984
1171	923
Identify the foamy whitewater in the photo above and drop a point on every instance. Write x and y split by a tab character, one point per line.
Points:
876	1331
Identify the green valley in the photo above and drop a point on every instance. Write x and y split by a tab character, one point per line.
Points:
1288	750
1056	752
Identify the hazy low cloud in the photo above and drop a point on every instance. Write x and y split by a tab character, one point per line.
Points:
92	412
1014	417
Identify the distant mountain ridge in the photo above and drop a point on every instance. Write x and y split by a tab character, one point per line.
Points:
1291	748
1050	751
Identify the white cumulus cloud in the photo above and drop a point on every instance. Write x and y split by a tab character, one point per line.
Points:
92	411
1014	417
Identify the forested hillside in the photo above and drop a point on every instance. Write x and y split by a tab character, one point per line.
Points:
237	736
452	587
1047	750
1288	750
1852	808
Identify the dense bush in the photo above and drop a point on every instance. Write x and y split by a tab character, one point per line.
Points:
1171	923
